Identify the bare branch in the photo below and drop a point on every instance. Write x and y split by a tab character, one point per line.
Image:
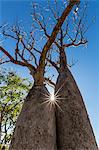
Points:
19	39
3	62
53	12
49	81
49	60
29	50
72	64
14	61
75	44
9	35
53	64
55	32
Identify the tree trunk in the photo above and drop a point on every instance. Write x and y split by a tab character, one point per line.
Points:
73	128
35	127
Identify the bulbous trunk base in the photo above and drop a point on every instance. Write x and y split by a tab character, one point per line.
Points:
73	128
35	127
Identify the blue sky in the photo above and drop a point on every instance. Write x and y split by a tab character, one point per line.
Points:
86	71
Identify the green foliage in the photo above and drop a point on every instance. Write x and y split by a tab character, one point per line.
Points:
13	90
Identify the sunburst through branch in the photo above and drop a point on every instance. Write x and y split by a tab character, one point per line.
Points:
53	100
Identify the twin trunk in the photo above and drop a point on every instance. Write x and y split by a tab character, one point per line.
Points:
41	128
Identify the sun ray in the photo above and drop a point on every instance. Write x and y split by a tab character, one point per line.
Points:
46	95
53	99
60	88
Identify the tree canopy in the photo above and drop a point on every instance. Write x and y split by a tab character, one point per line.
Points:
13	90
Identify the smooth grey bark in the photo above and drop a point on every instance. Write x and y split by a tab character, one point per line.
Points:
73	128
35	127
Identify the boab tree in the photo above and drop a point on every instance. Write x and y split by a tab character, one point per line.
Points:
73	128
35	127
72	122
